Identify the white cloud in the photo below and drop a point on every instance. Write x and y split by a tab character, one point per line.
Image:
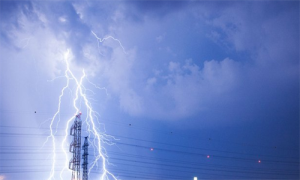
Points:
118	70
188	88
174	89
62	19
220	76
174	66
36	42
180	90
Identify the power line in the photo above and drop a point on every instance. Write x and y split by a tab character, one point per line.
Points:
186	167
169	144
181	152
185	162
170	165
128	155
145	128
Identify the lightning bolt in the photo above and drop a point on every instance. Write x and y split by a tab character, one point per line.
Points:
91	121
100	40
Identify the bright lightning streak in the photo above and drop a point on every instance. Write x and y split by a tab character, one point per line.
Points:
100	40
91	120
52	134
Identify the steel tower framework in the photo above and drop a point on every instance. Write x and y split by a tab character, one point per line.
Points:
75	148
85	159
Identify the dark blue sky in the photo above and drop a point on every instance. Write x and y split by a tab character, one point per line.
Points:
186	78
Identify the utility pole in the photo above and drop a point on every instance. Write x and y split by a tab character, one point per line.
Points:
75	148
85	159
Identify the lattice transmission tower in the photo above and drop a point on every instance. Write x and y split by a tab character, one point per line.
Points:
75	148
85	159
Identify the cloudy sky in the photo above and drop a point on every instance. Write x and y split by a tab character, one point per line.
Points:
186	78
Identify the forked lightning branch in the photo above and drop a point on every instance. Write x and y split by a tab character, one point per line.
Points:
74	151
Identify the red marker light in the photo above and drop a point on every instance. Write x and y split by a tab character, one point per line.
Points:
208	156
